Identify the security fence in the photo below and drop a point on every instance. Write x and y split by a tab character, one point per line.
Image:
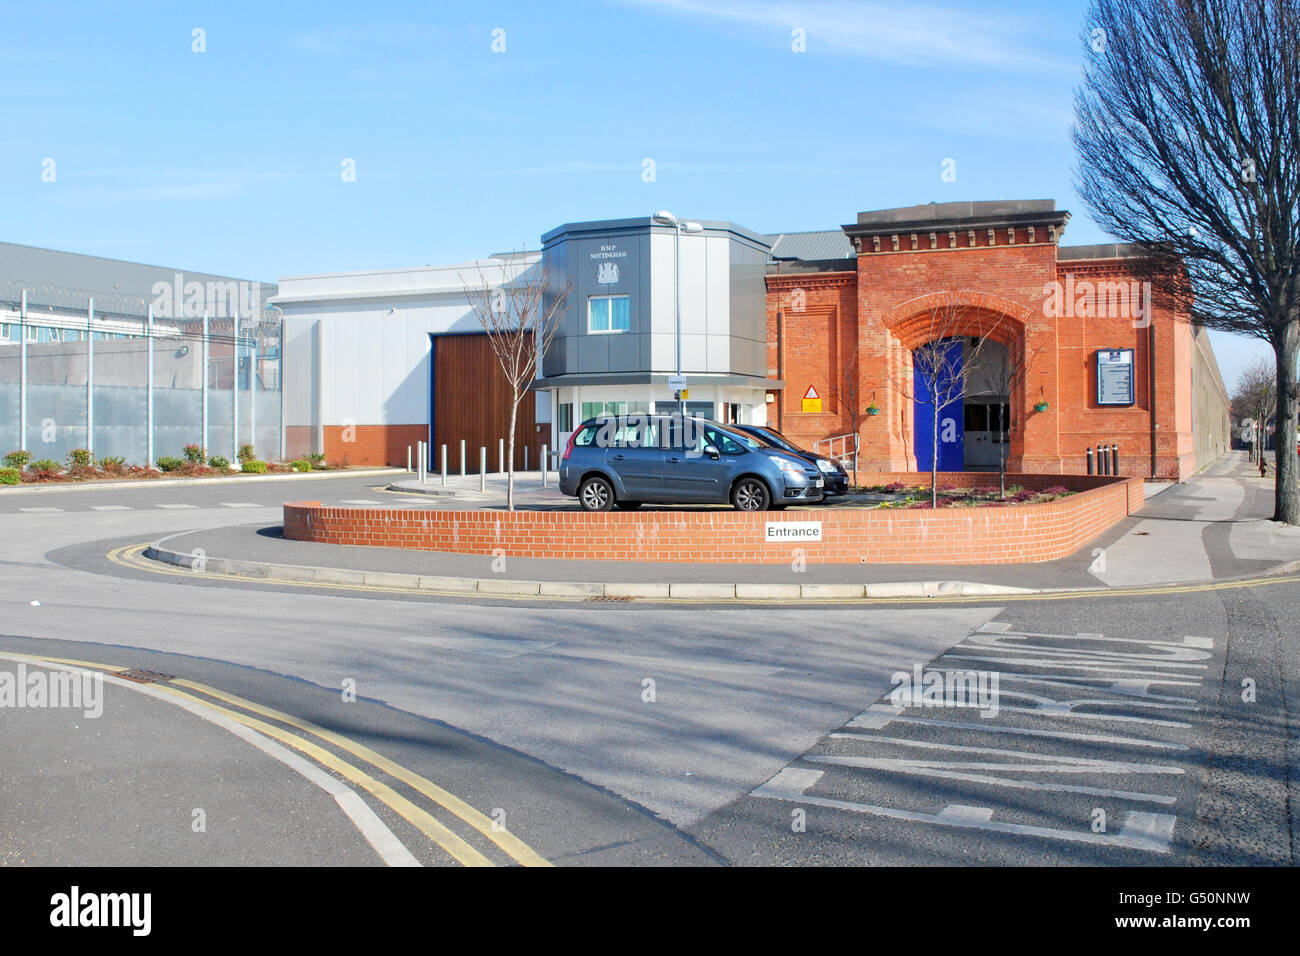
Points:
102	372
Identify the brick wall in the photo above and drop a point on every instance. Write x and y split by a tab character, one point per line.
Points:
372	444
999	535
824	319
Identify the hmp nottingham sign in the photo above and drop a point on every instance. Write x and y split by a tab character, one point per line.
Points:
607	271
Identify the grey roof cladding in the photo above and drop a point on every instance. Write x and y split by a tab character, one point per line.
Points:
956	210
811	246
69	279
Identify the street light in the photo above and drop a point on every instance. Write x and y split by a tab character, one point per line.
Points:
664	217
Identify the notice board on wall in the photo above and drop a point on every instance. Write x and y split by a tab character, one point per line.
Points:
1115	377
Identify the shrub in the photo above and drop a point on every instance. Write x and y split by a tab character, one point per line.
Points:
1056	491
317	460
1023	495
10	476
79	459
167	463
195	454
253	467
113	464
47	469
219	463
246	453
302	464
17	459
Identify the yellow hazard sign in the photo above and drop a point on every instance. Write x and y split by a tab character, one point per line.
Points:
812	402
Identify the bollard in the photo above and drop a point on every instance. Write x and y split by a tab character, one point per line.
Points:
545	460
408	459
525	458
1114	459
419	461
444	464
482	468
501	456
1090	459
462	458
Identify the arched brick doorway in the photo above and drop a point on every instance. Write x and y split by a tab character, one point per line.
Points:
992	331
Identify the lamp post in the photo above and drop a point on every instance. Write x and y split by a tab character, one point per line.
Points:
664	217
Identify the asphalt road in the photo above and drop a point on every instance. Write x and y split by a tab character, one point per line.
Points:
622	733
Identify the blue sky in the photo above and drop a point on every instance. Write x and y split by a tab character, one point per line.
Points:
231	160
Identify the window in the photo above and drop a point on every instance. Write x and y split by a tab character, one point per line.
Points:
566	417
593	409
609	313
636	433
721	441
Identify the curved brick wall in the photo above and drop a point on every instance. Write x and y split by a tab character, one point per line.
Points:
1004	535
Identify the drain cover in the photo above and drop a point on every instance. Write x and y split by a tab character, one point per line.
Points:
142	676
606	600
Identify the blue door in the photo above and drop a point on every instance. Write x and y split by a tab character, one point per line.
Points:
952	440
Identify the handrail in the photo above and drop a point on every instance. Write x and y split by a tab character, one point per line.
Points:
844	457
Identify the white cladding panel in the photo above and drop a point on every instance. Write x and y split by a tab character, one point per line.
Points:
374	329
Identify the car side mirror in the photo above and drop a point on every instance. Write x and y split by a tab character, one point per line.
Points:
711	451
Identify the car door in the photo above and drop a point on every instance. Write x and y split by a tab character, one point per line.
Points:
635	457
693	474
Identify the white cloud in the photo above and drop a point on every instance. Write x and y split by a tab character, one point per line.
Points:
893	33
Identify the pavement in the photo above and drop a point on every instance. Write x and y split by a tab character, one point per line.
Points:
1214	527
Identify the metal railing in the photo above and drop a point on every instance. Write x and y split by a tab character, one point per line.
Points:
846	458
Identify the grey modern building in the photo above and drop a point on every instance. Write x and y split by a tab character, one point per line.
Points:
620	342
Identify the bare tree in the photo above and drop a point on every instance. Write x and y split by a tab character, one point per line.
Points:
941	366
520	316
1257	398
1188	135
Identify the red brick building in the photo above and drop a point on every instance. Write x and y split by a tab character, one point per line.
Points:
844	327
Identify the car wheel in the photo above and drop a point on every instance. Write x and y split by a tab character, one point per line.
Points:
628	505
750	494
596	494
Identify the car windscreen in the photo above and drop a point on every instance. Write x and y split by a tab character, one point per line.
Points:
780	441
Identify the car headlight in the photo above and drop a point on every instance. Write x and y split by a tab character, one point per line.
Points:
790	468
826	466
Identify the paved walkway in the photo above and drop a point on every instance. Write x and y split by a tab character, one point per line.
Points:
1215	526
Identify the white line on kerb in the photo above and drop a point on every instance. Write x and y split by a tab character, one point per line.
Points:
177	507
390	849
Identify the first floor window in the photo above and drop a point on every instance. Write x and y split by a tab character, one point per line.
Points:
609	313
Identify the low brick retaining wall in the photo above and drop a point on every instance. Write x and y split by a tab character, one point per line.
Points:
997	535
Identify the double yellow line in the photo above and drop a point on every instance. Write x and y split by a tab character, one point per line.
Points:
426	823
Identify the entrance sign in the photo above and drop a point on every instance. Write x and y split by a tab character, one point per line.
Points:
812	402
783	531
1115	377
